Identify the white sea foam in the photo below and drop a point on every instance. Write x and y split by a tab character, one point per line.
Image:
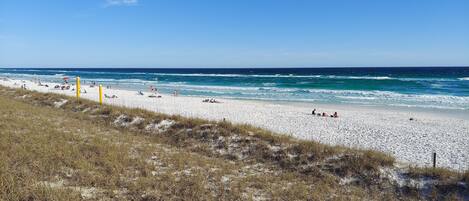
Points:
374	96
310	76
269	84
270	91
360	77
238	75
271	76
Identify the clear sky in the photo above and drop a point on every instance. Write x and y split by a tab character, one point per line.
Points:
233	33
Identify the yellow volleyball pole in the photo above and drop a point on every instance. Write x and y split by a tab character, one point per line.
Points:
100	94
78	88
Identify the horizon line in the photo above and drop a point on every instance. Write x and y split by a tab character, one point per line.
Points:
278	67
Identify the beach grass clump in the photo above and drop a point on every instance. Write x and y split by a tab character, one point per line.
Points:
73	150
440	174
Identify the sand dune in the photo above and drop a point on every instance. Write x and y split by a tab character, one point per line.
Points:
391	131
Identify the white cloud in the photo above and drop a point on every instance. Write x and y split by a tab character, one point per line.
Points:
121	2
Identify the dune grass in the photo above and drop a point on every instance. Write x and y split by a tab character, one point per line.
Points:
80	151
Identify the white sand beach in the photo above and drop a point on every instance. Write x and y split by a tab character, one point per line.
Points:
388	130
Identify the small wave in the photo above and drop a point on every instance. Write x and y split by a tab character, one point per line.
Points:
198	75
235	75
464	78
269	84
134	80
426	79
273	76
360	77
126	81
208	87
429	106
100	79
357	97
177	83
437	86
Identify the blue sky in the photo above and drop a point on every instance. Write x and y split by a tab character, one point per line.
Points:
233	33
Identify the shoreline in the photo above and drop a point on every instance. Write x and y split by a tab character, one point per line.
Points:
448	113
411	142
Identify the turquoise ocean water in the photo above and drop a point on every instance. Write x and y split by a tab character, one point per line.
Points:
423	87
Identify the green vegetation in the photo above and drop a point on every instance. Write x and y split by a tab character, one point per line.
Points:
55	148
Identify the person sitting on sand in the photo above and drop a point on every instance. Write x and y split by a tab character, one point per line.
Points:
335	115
324	114
107	96
140	93
313	112
153	89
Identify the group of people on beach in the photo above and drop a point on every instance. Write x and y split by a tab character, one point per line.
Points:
155	93
65	85
323	114
210	100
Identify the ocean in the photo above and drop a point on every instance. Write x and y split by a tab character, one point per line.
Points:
419	87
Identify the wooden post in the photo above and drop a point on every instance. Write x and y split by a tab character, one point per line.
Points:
434	160
100	94
78	88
